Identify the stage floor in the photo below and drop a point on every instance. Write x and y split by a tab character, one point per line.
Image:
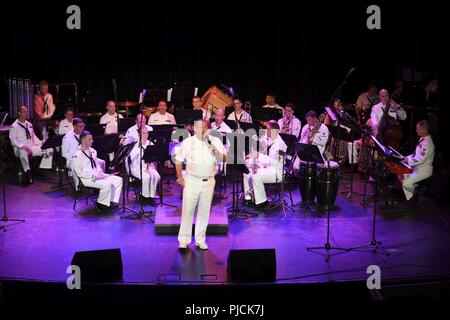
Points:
42	247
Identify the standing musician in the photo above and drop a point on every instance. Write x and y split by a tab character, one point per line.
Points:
201	153
26	144
265	166
161	116
110	118
239	114
421	160
43	108
66	124
88	170
150	177
43	102
197	104
394	110
290	124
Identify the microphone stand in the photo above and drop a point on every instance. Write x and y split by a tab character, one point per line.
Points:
5	218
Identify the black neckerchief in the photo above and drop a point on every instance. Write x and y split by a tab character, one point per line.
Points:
25	127
91	159
78	140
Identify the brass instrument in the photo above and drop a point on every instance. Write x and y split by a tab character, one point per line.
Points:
312	131
248	107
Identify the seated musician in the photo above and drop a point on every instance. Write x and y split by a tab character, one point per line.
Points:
110	118
88	170
161	116
219	125
421	160
395	111
290	124
26	144
239	114
132	134
66	124
150	177
314	132
265	166
271	103
197	104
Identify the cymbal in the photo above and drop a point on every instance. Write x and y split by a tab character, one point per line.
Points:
5	128
128	104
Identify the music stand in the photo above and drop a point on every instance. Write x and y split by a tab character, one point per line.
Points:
188	116
97	130
125	124
159	152
180	94
136	215
266	114
311	153
377	248
53	143
119	160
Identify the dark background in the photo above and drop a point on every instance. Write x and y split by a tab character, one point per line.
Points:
300	52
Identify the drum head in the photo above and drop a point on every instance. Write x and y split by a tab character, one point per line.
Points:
333	165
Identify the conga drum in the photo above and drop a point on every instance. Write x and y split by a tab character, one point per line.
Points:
327	183
307	179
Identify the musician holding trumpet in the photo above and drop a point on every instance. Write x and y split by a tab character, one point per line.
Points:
290	124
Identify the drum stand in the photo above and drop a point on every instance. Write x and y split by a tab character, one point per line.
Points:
327	246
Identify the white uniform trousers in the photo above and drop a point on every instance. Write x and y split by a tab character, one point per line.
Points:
46	162
256	181
196	192
410	180
150	181
355	153
110	188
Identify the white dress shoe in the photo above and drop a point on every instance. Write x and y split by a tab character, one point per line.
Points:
182	245
202	246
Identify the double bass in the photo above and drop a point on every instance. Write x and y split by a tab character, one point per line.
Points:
390	132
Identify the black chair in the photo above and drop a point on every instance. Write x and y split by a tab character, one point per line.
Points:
80	189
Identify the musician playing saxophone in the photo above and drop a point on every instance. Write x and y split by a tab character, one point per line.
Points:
395	111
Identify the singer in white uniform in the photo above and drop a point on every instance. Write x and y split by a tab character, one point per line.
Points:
26	143
315	133
110	118
239	114
395	111
162	116
265	166
200	152
150	177
421	160
87	168
66	125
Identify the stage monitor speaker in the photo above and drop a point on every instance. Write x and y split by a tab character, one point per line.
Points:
255	265
99	265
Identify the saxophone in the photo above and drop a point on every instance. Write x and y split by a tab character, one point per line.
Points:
312	131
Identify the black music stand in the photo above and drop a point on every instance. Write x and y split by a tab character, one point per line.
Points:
119	160
159	152
53	143
374	243
180	94
265	114
237	168
125	124
188	116
311	153
141	214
